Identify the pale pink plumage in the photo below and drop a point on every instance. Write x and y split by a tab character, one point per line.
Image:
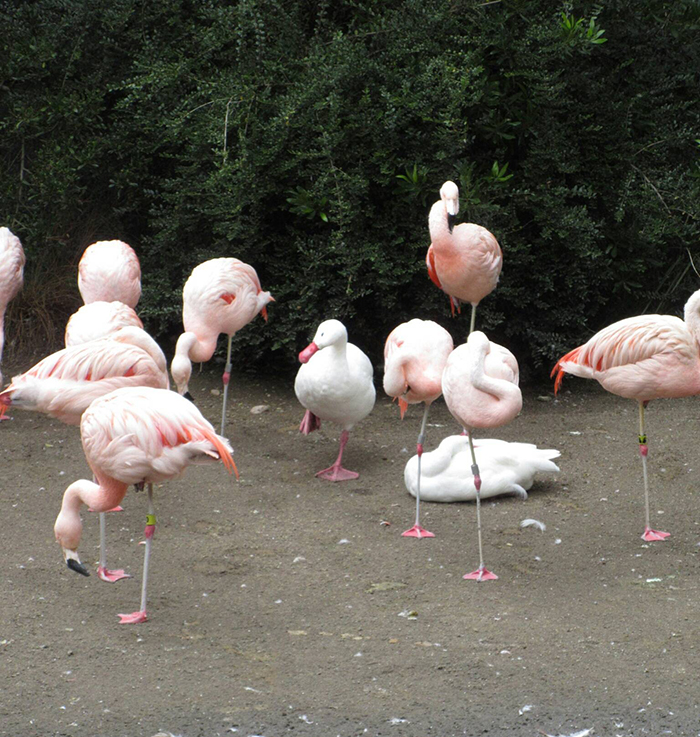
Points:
221	296
99	320
480	385
11	276
109	271
135	436
415	354
64	384
464	261
643	358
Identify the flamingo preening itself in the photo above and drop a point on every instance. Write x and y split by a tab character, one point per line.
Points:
11	276
334	383
642	358
109	271
221	296
480	385
463	260
135	436
415	354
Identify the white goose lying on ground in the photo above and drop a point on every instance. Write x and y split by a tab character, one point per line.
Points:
335	383
506	468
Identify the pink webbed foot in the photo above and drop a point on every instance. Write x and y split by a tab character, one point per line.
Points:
114	509
112	576
417	531
337	473
5	417
309	423
654	535
480	574
134	618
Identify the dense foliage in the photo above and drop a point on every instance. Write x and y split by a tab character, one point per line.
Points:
310	137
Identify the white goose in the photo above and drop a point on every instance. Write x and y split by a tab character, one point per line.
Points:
506	468
335	383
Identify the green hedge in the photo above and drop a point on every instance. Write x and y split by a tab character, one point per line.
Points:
310	139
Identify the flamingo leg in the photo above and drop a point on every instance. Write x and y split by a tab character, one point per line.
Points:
226	378
102	571
336	472
649	534
481	573
417	530
140	616
472	322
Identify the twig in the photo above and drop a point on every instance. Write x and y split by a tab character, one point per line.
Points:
648	181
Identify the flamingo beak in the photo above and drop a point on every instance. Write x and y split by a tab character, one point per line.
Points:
451	221
263	312
73	562
306	354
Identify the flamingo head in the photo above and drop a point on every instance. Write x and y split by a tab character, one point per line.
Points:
67	530
449	194
181	370
264	298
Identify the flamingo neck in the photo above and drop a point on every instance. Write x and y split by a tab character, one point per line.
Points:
438	224
691	315
98	496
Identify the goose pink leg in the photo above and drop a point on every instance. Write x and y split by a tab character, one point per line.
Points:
336	472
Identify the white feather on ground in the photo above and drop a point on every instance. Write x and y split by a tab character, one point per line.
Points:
534	523
505	468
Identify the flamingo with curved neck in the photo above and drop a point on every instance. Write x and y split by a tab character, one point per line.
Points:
415	354
463	260
135	436
480	385
221	295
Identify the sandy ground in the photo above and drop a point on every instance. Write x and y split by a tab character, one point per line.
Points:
280	603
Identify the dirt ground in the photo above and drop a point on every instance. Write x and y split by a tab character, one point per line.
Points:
280	603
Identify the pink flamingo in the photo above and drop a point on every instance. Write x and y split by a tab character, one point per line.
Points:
97	320
221	296
415	354
334	383
109	271
11	276
642	358
64	384
465	260
135	436
480	384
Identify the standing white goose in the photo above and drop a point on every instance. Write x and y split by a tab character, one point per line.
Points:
334	383
11	276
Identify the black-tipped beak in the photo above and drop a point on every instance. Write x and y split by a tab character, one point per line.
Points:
77	566
451	219
187	395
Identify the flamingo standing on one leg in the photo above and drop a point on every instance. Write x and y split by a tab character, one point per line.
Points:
64	384
415	354
109	271
334	383
97	320
464	261
643	358
135	436
480	384
221	296
11	276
